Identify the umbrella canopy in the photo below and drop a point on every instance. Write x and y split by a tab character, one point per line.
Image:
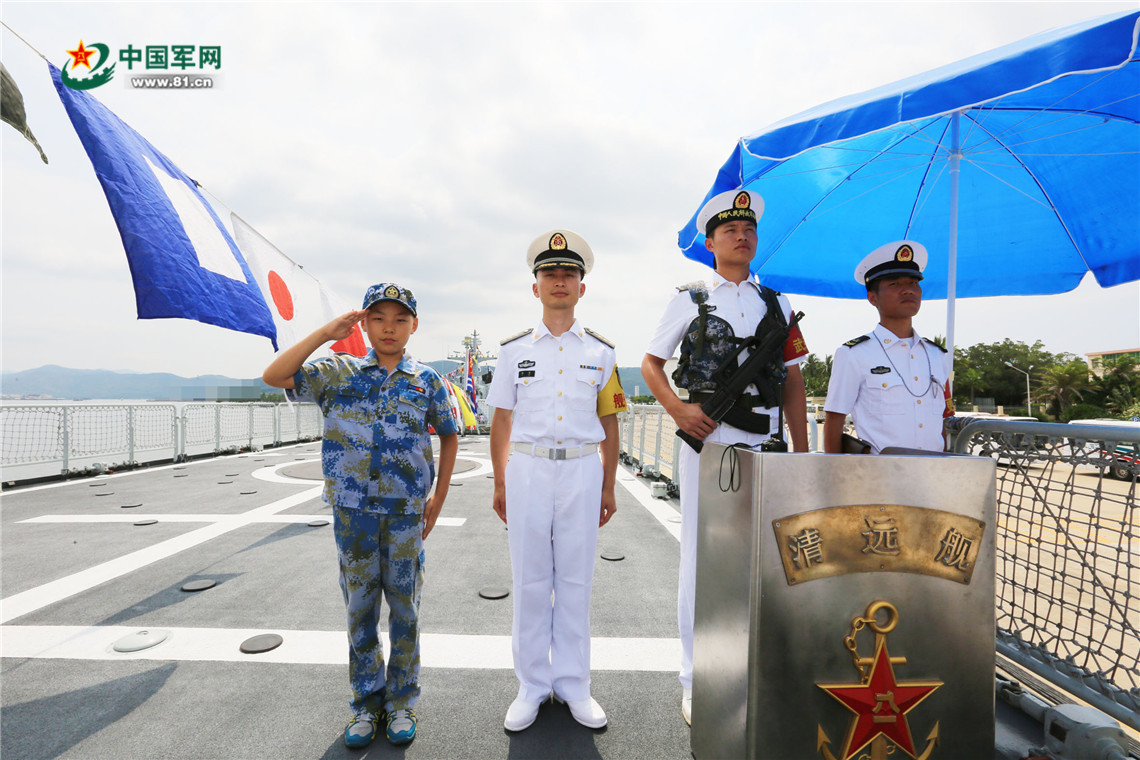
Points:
1022	163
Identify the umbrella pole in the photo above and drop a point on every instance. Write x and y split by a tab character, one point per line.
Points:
952	258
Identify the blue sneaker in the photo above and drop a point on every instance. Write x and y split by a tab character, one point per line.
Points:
401	726
360	731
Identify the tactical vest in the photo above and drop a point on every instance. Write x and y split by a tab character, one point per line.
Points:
708	351
708	343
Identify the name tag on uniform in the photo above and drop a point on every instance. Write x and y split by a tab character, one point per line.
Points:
527	372
880	370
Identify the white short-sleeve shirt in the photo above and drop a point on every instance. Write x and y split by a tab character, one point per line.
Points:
893	388
552	384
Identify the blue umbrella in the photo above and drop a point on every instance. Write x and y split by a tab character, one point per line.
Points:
1018	169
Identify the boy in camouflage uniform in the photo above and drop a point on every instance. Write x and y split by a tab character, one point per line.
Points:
378	468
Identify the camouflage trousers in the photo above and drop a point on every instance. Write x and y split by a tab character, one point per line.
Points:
381	556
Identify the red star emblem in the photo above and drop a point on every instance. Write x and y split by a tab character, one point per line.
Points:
880	706
81	56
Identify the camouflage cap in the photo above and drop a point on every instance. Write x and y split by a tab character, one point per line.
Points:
388	291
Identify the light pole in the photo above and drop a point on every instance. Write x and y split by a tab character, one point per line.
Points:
1028	399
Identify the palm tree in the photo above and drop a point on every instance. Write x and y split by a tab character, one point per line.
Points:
1063	384
1120	399
816	374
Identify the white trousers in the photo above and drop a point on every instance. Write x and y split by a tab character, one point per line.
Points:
552	528
688	474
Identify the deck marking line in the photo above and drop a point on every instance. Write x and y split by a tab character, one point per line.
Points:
659	508
39	597
483	468
450	522
438	650
269	473
9	492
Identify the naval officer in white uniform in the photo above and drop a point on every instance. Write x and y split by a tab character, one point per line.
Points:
556	396
893	382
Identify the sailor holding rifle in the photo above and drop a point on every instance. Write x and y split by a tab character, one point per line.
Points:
719	324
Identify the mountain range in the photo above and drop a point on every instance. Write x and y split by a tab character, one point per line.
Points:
52	382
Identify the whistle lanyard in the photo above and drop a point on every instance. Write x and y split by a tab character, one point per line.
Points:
929	369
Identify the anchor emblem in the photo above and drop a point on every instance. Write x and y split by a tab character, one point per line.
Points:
879	702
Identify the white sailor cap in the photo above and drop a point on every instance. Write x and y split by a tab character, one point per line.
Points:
730	206
559	248
902	258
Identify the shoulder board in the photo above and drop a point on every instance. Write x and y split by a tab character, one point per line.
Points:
516	336
940	348
698	291
695	285
599	337
856	341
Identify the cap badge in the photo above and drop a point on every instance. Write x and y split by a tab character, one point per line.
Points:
558	242
904	253
742	200
391	292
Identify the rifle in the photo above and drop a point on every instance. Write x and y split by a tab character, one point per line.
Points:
730	384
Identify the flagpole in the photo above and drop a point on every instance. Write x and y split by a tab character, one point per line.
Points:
952	261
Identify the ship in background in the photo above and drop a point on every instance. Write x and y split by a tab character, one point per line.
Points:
468	384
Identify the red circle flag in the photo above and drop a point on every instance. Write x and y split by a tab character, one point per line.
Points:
282	298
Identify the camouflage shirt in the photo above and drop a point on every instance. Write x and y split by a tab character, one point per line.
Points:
376	453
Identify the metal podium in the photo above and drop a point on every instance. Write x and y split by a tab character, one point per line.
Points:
844	607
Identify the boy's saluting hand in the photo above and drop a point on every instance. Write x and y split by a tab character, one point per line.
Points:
341	327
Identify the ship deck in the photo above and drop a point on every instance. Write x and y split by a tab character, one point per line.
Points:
80	574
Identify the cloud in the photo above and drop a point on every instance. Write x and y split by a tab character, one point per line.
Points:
428	144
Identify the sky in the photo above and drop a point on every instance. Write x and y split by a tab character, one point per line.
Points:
429	143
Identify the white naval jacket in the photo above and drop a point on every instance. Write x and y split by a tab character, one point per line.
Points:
893	388
553	386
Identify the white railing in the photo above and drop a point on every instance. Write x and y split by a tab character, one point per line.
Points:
649	440
60	439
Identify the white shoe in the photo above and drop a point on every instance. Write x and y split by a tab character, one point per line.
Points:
586	711
687	706
521	714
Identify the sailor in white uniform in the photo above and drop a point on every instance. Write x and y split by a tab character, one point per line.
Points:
892	382
556	396
732	295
